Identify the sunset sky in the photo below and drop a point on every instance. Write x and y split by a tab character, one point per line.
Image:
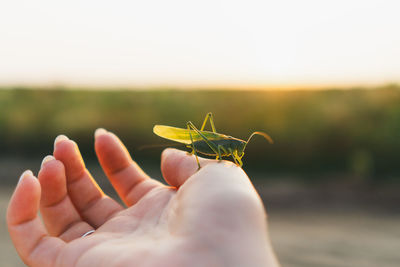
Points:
199	43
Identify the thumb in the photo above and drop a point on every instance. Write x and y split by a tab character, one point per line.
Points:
177	166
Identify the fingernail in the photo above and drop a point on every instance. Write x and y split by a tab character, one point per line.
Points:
24	174
46	159
60	138
99	131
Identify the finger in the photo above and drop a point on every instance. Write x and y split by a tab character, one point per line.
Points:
91	203
128	179
59	214
177	166
34	245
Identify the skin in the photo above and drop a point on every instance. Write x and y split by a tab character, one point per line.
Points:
210	217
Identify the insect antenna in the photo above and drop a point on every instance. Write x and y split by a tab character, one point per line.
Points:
266	136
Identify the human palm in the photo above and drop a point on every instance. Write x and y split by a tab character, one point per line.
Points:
210	217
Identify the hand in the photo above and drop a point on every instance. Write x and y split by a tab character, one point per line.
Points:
210	217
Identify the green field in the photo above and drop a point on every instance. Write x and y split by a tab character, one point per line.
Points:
320	134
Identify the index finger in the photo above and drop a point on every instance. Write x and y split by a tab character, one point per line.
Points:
128	179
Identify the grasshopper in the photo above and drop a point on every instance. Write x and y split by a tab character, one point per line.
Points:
206	142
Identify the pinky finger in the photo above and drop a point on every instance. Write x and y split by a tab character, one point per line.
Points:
30	238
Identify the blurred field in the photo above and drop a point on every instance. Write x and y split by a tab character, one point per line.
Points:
318	134
331	181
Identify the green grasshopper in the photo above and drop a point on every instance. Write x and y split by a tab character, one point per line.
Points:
206	142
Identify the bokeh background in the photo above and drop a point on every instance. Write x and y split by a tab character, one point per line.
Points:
320	77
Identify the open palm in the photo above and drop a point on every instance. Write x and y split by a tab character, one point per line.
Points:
210	217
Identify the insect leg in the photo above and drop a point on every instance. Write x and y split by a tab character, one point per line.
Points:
219	155
208	142
211	118
220	147
192	143
233	156
239	160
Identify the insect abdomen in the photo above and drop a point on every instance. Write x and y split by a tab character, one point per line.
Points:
203	148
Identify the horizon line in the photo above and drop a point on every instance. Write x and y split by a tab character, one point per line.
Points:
166	86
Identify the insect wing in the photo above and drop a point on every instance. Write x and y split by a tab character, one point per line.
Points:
182	135
175	134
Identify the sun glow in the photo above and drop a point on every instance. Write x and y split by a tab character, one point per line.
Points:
200	43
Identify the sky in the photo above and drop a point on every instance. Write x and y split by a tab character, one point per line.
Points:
199	43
